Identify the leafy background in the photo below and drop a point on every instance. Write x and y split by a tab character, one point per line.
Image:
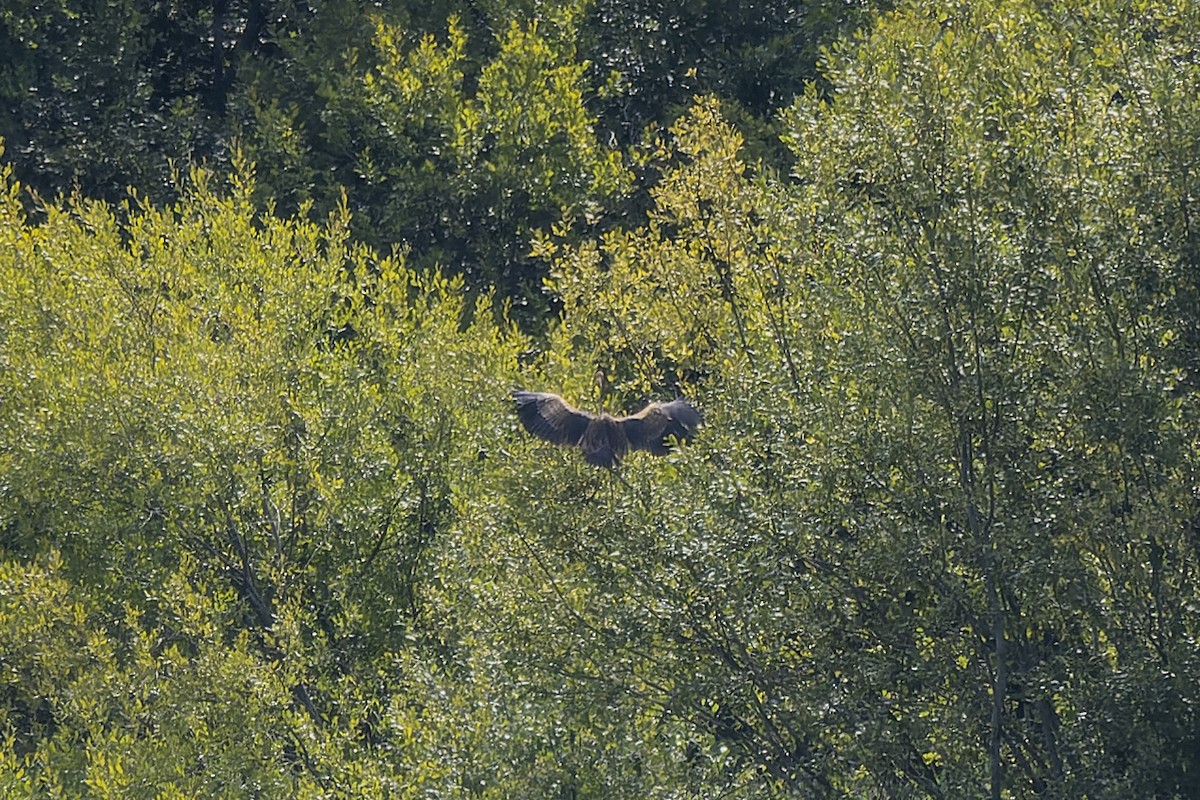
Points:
268	527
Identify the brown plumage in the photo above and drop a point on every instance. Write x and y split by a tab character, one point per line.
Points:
605	439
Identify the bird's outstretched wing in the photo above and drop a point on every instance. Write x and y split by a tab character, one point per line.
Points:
549	417
652	427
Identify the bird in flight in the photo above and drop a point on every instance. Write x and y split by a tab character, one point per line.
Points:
605	439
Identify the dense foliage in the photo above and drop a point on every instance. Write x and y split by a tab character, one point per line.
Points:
268	526
453	131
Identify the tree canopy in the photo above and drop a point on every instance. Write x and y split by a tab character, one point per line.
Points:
269	522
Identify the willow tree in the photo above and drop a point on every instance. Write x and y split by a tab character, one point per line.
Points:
228	445
936	537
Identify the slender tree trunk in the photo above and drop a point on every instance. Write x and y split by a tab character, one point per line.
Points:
982	534
1000	684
